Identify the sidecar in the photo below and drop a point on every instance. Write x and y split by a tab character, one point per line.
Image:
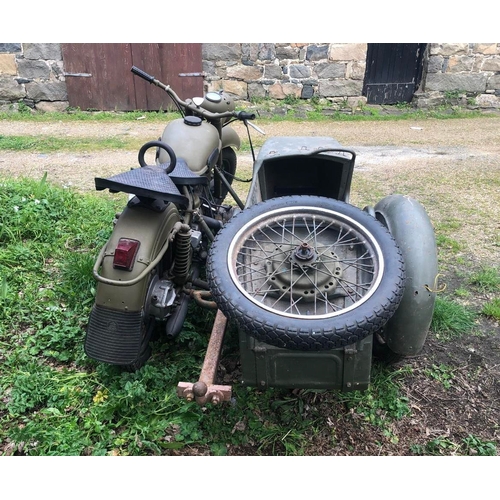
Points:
315	285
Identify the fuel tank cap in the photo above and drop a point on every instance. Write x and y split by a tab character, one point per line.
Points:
193	121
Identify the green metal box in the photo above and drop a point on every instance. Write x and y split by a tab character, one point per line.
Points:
344	369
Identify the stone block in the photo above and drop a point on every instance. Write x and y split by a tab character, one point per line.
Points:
8	64
256	90
356	70
340	88
282	90
273	72
237	88
258	51
242	72
326	71
449	49
10	48
347	52
47	51
487	101
299	71
10	90
307	92
29	68
221	51
460	64
493	83
50	107
486	48
491	64
435	64
317	52
456	82
287	52
47	91
356	102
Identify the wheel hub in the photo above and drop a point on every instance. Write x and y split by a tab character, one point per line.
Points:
304	273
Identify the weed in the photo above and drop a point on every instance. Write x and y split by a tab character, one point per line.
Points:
486	279
291	100
462	292
441	373
470	445
383	401
492	309
476	446
451	319
448	243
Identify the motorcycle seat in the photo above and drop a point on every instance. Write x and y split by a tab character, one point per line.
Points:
182	175
149	181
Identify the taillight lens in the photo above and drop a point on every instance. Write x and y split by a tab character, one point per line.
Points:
125	253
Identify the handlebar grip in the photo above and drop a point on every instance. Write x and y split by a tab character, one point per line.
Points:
244	115
142	74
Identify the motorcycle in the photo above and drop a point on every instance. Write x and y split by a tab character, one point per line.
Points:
315	285
148	271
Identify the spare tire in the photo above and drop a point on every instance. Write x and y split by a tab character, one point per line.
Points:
306	272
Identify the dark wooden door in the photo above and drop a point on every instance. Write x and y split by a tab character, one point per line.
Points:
393	72
98	74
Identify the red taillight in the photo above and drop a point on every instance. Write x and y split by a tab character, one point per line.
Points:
125	254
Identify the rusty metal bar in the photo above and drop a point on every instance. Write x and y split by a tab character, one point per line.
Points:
205	391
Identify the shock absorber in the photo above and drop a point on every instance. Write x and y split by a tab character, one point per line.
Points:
183	253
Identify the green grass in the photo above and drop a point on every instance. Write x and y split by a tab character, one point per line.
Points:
492	309
47	144
486	279
57	401
451	319
319	111
71	115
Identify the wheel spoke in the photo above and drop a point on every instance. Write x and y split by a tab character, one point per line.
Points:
310	263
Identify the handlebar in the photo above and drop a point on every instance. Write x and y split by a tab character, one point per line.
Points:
239	115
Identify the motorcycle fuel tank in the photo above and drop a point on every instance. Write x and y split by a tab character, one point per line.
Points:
193	140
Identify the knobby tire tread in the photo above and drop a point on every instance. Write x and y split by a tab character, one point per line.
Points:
268	327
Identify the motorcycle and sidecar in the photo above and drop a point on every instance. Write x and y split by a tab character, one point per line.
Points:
315	285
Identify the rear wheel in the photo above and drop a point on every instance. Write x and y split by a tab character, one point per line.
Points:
306	272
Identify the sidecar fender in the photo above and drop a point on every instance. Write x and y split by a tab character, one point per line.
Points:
406	332
152	230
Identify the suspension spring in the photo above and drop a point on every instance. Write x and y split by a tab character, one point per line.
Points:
183	253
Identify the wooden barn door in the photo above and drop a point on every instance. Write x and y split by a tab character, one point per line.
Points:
98	74
393	72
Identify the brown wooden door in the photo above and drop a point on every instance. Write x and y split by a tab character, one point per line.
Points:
98	74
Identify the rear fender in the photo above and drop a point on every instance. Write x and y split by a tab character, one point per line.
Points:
152	230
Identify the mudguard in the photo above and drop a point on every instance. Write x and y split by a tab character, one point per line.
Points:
405	333
230	138
116	322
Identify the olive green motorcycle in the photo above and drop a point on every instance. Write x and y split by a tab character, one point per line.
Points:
148	271
315	285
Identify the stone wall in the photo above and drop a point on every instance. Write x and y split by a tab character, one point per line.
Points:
277	70
465	74
32	74
461	73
